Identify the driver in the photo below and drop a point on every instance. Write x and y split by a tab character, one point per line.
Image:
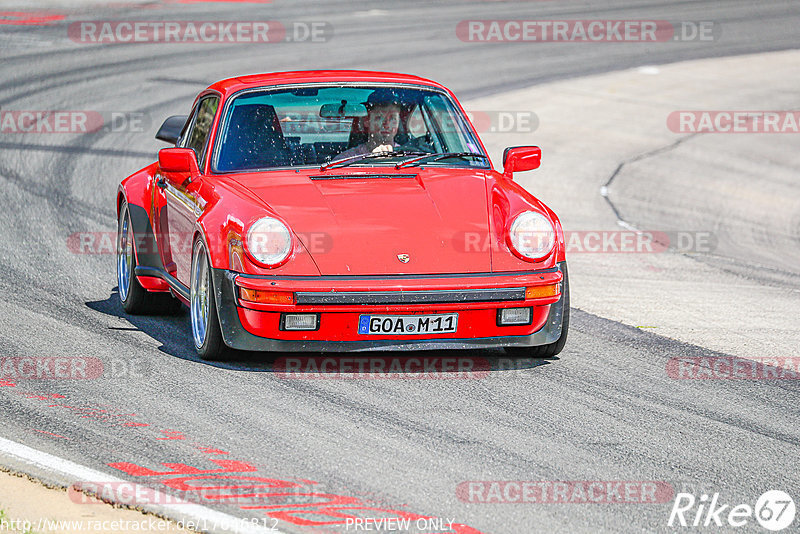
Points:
382	124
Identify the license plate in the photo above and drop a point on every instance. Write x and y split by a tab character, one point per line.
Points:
408	324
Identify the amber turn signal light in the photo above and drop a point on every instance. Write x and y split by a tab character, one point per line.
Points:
538	292
266	297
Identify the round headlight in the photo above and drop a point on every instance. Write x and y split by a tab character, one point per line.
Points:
269	241
532	235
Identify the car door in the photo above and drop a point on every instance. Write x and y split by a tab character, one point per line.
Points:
181	204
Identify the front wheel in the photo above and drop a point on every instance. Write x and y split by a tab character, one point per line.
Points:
551	349
206	332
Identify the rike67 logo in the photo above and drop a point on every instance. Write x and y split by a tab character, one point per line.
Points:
774	510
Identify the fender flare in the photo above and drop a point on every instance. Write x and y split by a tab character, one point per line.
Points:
135	191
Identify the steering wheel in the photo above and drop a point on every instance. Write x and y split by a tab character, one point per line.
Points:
419	144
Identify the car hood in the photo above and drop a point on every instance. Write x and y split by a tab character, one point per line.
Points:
367	223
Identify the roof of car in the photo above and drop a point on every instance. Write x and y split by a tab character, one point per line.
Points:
232	85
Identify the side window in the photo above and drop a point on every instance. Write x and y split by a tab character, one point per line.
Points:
201	127
452	131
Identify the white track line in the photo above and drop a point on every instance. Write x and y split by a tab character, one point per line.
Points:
217	521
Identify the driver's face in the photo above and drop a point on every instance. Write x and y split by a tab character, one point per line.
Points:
383	123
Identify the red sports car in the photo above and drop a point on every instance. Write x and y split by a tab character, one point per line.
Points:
340	211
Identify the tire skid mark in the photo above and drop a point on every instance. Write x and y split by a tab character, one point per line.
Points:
73	150
97	412
54	195
41	396
52	434
101	415
172	435
229	477
70	165
47	302
98	73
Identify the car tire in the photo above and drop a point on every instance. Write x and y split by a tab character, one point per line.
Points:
206	332
551	349
135	299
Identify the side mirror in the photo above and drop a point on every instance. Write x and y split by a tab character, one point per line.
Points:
171	130
521	158
178	160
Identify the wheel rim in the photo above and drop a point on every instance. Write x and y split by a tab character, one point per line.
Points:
124	257
199	295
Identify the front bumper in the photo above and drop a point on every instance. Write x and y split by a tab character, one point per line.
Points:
340	300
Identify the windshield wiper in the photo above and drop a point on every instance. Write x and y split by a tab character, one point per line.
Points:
436	157
371	155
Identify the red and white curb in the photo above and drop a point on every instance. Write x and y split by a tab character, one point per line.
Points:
182	513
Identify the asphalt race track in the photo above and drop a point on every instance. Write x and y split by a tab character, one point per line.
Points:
607	410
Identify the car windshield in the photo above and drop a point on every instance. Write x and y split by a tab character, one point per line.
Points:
317	125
